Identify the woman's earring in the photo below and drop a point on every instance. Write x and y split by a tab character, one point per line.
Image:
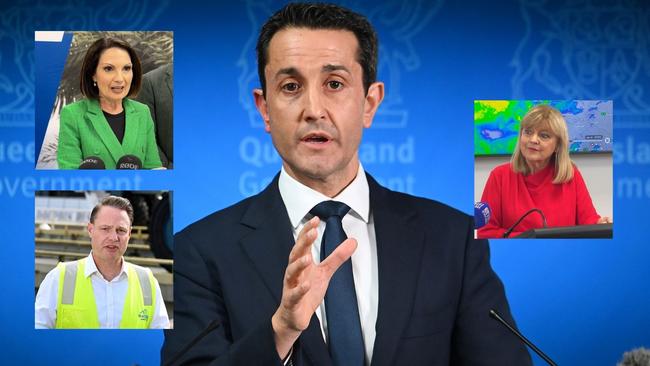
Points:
95	84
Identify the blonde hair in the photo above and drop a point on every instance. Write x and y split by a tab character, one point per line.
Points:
545	116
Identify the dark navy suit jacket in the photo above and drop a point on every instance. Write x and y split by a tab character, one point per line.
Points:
436	287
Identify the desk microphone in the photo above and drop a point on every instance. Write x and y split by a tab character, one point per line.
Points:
212	326
495	315
507	233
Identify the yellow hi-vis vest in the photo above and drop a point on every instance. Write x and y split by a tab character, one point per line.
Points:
76	307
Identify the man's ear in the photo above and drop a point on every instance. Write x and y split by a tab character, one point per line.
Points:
262	107
90	228
373	99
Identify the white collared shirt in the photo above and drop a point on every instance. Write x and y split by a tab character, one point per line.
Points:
109	297
358	224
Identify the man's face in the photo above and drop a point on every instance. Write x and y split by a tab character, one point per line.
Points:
315	107
109	234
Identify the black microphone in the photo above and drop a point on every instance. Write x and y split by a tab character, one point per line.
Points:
507	233
482	214
495	315
92	162
212	326
129	162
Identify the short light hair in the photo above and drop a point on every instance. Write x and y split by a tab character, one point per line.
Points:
546	117
116	202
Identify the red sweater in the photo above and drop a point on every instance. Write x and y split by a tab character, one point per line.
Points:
511	194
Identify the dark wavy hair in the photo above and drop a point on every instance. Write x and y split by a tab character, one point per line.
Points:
89	66
321	16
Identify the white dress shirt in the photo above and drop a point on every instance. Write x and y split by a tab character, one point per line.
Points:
358	224
109	297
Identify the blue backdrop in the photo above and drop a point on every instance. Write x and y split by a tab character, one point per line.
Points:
583	301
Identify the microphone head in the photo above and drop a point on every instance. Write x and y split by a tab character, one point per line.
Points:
129	162
482	214
636	357
92	162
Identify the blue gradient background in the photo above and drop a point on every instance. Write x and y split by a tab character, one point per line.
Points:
584	302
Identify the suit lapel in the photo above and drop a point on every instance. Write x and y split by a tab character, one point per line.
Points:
132	126
269	243
96	116
399	247
268	246
169	79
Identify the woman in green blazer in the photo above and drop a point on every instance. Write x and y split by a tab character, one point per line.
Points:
107	125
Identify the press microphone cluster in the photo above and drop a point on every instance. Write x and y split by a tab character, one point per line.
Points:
126	162
482	214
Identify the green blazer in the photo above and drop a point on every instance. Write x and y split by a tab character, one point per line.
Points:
85	132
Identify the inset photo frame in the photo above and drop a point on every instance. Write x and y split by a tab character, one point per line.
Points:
543	168
104	100
103	260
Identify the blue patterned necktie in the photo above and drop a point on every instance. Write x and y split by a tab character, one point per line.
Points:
343	326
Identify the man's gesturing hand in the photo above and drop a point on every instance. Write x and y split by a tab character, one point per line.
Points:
304	286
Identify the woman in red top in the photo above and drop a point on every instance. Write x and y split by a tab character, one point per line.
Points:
540	175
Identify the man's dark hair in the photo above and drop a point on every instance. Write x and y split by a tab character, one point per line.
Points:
113	201
91	60
321	16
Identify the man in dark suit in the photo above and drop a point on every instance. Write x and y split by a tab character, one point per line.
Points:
325	266
157	92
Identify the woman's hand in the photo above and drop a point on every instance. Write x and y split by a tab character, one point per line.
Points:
605	220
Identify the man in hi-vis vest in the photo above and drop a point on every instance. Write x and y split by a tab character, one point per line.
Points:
102	290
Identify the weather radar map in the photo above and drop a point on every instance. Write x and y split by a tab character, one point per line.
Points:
496	124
